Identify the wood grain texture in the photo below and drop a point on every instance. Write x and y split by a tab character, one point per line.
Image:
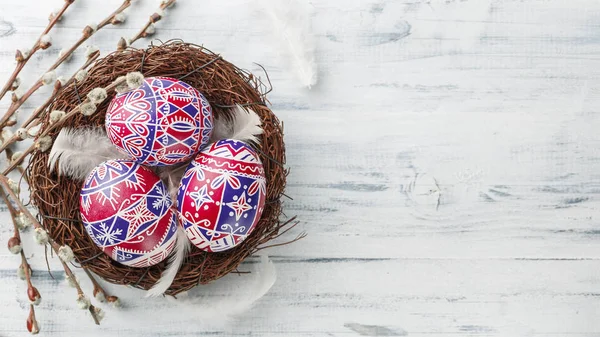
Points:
446	168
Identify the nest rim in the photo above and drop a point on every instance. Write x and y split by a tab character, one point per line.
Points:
224	85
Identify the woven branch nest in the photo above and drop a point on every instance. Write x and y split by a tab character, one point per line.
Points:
224	85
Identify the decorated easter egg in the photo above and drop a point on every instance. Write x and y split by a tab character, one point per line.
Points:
222	195
127	211
163	122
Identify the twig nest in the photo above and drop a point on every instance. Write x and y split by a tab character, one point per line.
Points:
223	85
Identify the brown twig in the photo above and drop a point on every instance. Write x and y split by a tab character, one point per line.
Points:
36	46
88	31
32	292
146	30
34	118
16	161
55	246
99	290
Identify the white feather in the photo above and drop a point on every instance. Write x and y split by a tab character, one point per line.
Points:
245	125
182	248
231	296
291	22
78	151
171	176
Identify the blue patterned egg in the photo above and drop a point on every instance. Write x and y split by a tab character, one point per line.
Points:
127	211
222	195
163	122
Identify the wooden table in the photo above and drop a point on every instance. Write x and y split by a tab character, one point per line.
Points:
446	169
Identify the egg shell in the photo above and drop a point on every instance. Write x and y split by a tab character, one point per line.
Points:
222	195
163	122
127	211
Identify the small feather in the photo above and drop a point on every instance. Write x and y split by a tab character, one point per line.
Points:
291	22
182	248
245	125
171	176
236	295
76	152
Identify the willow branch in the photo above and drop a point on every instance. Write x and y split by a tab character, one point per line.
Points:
16	161
36	46
88	31
53	244
146	29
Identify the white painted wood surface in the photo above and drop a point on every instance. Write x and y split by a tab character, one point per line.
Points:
446	168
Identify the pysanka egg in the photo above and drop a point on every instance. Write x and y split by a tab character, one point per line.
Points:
163	122
127	211
222	195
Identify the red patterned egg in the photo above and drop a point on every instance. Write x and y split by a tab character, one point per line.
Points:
222	195
127	211
163	122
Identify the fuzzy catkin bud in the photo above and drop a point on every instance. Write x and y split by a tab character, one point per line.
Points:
49	78
21	133
33	131
13	185
122	44
72	281
6	135
21	55
45	41
64	52
56	116
15	84
118	19
14	245
99	313
91	50
90	29
134	79
44	143
34	295
16	95
81	75
83	302
99	295
122	86
12	121
65	253
41	236
150	30
22	221
32	324
97	95
87	108
114	301
55	14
